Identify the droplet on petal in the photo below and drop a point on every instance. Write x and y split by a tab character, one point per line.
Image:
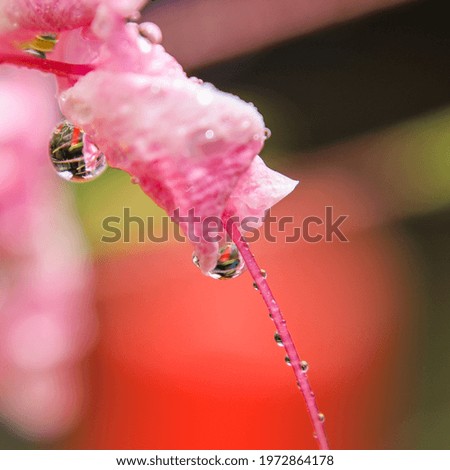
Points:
209	134
267	133
40	45
151	32
229	263
73	155
304	366
321	417
287	360
135	16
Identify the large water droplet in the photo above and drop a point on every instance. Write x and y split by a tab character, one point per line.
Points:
278	339
73	155
229	263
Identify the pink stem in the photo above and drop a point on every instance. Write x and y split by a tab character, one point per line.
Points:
51	66
280	323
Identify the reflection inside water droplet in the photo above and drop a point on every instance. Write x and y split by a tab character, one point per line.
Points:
73	155
40	45
278	339
229	263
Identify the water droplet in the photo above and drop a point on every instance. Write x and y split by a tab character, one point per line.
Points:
264	275
151	32
267	133
229	263
39	54
134	180
312	394
135	16
278	339
197	80
40	45
209	134
304	365
73	155
321	417
314	435
287	360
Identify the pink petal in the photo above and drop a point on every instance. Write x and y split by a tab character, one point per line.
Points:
58	15
187	143
258	189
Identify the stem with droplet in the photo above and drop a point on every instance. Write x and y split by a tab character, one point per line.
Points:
50	66
280	324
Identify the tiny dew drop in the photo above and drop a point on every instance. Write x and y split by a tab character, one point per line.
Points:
287	360
209	134
229	263
195	260
135	16
73	155
278	339
264	275
304	366
151	32
267	133
321	417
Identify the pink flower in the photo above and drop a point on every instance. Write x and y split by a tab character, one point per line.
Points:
191	147
188	145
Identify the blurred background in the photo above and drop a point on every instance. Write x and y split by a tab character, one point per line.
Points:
128	346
